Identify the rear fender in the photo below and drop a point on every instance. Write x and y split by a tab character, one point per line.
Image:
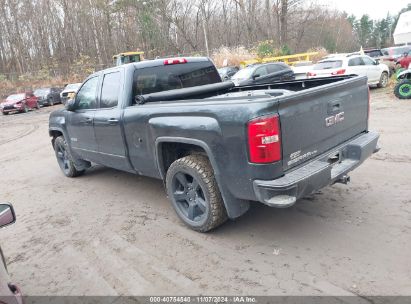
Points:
235	207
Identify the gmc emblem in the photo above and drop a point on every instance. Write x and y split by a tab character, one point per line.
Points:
332	120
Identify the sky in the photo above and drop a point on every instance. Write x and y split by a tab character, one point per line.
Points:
376	9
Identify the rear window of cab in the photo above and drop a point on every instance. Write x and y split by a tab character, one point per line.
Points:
175	76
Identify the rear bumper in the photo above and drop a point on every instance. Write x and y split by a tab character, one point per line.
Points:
284	191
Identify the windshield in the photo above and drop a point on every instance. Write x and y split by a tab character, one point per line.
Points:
41	92
329	64
15	97
244	73
73	86
373	53
222	70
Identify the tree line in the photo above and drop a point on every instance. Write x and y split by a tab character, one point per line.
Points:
64	35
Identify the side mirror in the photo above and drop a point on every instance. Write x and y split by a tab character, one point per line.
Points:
256	76
70	105
377	61
7	215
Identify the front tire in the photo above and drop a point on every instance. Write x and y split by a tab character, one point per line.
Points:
64	158
383	80
402	89
194	193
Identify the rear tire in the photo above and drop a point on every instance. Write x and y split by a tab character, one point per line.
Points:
402	89
194	193
64	158
383	80
5	113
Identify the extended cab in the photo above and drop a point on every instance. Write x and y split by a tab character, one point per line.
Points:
217	147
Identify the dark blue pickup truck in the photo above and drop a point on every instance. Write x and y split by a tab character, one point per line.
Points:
217	147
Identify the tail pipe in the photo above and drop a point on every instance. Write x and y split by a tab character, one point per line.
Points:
343	179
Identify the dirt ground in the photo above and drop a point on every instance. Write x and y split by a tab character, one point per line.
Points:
114	233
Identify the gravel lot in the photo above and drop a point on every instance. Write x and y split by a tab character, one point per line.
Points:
114	233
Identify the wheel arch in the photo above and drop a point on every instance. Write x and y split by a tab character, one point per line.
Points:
54	133
235	207
169	149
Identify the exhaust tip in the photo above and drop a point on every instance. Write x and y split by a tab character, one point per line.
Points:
344	179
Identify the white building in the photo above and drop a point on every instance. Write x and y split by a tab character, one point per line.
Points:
402	33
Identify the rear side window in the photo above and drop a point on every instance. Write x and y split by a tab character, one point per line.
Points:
272	68
355	61
110	90
176	76
329	64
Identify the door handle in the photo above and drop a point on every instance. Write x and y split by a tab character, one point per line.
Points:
89	120
112	121
334	106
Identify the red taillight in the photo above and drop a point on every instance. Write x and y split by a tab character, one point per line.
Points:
311	74
264	140
175	61
339	72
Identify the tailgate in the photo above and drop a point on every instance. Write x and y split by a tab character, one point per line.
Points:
317	120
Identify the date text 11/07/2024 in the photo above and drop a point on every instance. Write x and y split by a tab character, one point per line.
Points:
203	299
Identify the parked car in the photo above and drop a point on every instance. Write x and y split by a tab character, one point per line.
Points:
227	72
301	69
392	54
216	146
362	65
21	102
69	91
263	73
9	292
48	96
374	53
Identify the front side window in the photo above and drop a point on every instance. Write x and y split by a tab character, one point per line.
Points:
86	96
110	90
261	71
368	61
